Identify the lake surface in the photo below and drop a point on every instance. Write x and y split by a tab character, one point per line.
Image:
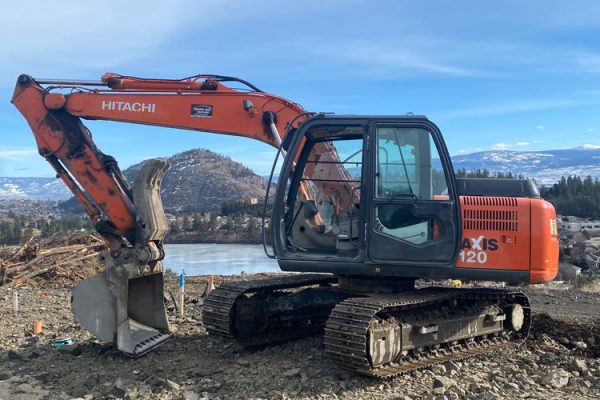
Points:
218	259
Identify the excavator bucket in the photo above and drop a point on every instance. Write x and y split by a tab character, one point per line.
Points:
124	303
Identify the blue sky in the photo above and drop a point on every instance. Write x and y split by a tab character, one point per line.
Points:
493	75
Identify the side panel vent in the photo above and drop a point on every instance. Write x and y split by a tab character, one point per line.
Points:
489	201
490	213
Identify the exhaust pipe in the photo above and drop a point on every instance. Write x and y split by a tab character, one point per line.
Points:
124	303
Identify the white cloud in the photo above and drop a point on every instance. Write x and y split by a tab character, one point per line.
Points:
590	147
17	153
419	54
540	127
521	144
538	141
591	129
501	146
515	106
118	33
462	151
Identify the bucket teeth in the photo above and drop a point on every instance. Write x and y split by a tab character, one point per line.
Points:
138	339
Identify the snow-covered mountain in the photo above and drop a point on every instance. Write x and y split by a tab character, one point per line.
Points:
545	166
33	189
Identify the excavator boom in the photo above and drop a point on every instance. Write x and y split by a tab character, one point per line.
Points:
199	103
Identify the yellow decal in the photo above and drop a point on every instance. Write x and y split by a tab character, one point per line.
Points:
553	228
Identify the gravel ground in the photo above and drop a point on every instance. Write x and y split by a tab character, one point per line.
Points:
559	361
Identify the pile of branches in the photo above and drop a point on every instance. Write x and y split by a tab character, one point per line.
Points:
59	261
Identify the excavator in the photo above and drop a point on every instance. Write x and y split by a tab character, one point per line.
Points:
366	212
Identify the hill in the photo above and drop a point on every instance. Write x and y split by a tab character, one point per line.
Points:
200	180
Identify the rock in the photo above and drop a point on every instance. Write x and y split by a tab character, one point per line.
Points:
242	361
439	369
549	358
4	376
563	340
32	354
443	382
189	395
556	378
451	366
13	355
117	392
578	365
132	394
292	372
25	388
491	396
92	381
172	384
73	350
43	378
578	344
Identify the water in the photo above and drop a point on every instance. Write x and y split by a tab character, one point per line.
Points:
218	259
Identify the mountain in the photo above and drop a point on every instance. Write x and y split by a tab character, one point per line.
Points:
33	189
200	180
545	166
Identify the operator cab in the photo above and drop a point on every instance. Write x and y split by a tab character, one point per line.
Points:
365	194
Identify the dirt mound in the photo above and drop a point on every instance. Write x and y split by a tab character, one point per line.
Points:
59	261
580	338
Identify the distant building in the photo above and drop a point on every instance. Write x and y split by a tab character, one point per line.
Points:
253	200
572	224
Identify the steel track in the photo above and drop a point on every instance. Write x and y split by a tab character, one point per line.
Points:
346	332
347	328
219	307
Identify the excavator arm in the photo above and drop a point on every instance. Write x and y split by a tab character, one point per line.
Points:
124	304
201	103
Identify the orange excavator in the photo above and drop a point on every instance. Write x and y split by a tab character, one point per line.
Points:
364	206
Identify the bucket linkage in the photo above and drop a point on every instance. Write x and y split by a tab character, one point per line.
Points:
125	302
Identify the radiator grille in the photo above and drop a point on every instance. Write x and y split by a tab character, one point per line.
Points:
495	218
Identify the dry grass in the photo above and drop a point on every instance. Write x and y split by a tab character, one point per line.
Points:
589	282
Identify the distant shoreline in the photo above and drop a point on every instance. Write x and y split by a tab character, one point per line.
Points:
196	240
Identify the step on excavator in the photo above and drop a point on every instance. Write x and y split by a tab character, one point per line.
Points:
364	206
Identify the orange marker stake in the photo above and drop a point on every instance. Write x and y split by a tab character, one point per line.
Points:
211	284
37	327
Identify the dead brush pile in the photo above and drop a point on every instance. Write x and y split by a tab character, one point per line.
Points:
62	260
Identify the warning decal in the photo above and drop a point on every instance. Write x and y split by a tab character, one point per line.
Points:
201	110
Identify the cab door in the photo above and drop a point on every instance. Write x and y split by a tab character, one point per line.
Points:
414	213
